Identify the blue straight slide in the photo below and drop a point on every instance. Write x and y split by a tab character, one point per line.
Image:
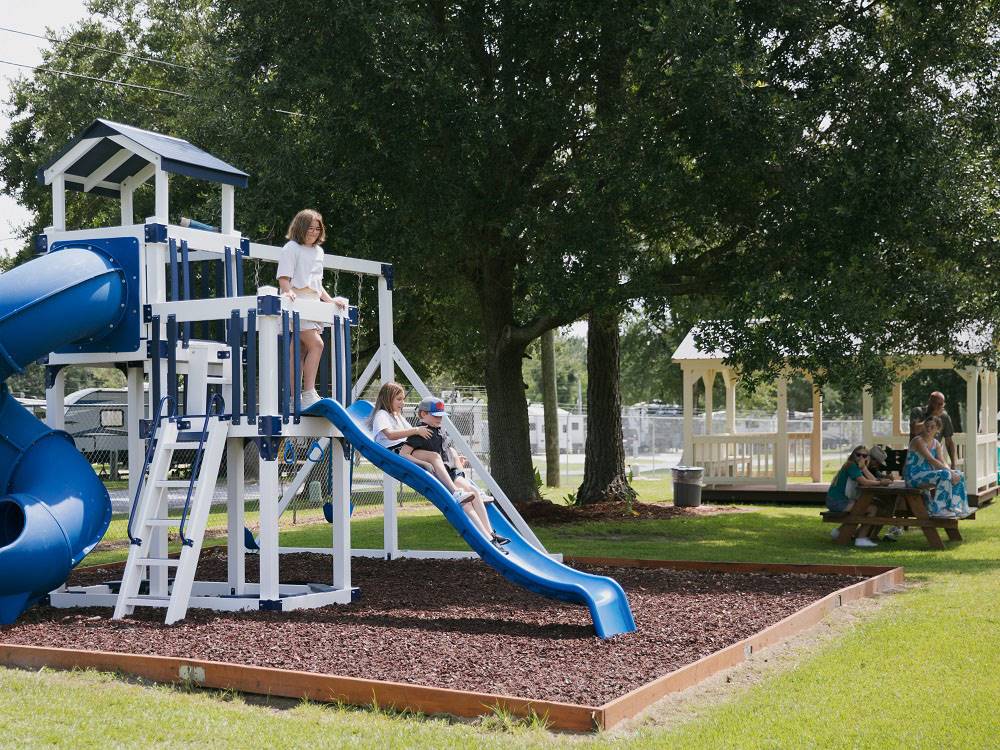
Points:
53	507
523	564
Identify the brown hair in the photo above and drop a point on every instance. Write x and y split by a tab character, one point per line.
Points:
386	395
934	421
301	223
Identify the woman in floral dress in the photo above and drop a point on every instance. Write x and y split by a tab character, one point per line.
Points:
947	499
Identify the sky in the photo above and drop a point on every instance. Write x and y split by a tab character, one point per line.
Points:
38	17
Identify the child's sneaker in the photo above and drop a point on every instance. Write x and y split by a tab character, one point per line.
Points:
309	398
863	541
462	497
835	533
500	540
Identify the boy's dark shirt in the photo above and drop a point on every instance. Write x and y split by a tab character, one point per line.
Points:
434	443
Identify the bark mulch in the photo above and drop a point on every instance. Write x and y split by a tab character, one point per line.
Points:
451	623
545	512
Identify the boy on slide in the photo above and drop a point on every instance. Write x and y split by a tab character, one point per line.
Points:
431	450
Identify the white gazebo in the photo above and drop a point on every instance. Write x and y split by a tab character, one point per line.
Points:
770	459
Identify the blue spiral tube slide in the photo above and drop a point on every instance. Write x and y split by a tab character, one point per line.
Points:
522	564
53	507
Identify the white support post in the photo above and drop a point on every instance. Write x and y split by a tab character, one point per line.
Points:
709	380
59	203
897	411
365	377
228	209
867	417
236	554
341	501
128	212
136	410
55	402
984	401
688	428
781	443
816	443
269	328
729	378
971	429
390	532
196	393
162	210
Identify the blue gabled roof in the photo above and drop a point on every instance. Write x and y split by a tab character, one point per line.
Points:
176	156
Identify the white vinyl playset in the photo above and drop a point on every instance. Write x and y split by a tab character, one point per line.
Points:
214	395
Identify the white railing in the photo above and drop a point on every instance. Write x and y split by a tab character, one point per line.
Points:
736	459
799	454
986	464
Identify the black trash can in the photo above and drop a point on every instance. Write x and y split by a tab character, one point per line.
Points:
687	485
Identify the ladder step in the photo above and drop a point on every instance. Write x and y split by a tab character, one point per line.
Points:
144	600
175	445
158	562
163	522
172	483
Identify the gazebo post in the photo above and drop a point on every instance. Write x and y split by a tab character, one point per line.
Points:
729	378
816	443
688	429
781	442
709	379
971	376
867	418
897	410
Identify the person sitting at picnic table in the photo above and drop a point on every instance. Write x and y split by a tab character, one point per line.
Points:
878	465
935	408
843	490
925	468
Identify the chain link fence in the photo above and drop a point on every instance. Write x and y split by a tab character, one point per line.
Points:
96	419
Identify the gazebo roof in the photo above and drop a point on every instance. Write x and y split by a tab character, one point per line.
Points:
970	341
106	154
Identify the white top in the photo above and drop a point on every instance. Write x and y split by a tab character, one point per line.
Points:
385	421
302	264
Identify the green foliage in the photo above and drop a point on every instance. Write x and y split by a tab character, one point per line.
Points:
571	369
538	479
31	382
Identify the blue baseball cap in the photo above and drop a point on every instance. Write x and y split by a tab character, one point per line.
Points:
433	406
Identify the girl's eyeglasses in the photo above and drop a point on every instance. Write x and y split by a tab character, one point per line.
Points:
861	455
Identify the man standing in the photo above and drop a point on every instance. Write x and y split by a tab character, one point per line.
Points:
935	408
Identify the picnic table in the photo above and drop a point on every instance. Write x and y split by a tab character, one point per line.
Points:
896	505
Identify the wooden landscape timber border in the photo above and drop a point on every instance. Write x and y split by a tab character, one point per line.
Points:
431	700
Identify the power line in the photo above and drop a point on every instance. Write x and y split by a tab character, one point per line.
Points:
131	85
97	78
99	49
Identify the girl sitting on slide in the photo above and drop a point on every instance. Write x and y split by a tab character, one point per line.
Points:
391	431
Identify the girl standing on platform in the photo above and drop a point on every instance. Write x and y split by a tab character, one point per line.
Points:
300	274
924	466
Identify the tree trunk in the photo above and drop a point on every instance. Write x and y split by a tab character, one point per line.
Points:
551	406
507	406
604	471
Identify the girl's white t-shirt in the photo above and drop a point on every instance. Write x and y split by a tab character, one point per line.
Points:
382	421
302	264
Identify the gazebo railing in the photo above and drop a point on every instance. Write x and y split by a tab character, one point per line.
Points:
736	459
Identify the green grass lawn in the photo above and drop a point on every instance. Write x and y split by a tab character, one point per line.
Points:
922	671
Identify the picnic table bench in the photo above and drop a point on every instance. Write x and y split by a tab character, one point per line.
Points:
896	505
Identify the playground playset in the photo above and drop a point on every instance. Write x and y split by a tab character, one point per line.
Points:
124	296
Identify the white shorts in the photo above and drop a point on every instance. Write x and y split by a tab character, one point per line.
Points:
310	294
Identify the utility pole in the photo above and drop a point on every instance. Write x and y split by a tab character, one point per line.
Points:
550	406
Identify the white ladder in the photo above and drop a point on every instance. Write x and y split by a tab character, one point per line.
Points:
152	502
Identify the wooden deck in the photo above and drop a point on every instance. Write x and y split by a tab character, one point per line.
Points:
803	493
